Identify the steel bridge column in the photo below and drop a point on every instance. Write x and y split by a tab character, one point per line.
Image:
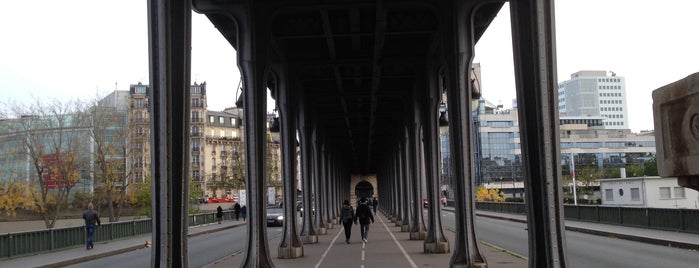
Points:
435	241
290	245
533	33
397	174
459	50
317	182
169	24
325	181
308	231
405	181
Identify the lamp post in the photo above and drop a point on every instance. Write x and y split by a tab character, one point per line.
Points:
572	174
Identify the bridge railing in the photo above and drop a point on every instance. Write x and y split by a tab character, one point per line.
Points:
679	220
33	242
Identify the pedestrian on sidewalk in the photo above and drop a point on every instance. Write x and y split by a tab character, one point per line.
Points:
92	220
244	211
375	204
219	214
347	217
365	218
236	210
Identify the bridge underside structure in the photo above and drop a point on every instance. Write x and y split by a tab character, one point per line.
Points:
360	83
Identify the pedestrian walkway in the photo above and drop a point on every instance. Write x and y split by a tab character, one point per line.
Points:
104	248
387	247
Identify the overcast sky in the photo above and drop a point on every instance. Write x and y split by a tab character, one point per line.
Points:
80	48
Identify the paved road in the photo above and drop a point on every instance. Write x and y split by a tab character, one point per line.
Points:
583	250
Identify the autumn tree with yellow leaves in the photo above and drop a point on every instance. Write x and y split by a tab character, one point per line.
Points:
489	195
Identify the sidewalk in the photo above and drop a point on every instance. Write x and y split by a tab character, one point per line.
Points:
644	235
387	247
104	249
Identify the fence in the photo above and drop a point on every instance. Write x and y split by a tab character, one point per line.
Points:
679	220
34	242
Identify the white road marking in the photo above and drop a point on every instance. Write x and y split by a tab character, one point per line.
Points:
407	257
328	249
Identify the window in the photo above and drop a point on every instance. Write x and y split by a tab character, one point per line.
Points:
679	192
608	195
222	133
196	90
140	90
211	119
665	193
234	134
232	121
220	120
635	194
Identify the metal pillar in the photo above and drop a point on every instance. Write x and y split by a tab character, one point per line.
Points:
326	186
535	76
405	181
308	231
252	60
435	241
290	245
169	24
417	228
317	178
459	51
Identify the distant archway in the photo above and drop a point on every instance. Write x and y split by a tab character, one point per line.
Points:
364	189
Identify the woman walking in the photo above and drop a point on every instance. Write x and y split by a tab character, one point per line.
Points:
347	216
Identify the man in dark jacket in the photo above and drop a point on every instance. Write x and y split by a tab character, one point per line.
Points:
219	214
236	210
365	218
92	220
347	217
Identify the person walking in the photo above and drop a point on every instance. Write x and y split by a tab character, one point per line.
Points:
219	214
236	210
244	211
92	220
365	218
375	204
347	217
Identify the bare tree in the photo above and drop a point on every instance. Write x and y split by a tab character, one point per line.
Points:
109	133
54	142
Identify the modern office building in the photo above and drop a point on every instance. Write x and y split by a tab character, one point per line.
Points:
583	138
595	94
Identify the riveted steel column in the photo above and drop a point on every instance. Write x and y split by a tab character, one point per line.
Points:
290	245
308	231
169	24
405	181
252	60
326	185
417	228
397	175
317	178
533	34
435	241
459	49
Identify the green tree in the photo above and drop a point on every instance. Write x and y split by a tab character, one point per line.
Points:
651	167
143	197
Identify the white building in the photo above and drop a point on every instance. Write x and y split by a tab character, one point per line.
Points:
655	192
595	94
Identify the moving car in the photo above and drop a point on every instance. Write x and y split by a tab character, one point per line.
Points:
275	216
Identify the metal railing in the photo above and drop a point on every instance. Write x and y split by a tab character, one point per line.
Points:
678	220
20	244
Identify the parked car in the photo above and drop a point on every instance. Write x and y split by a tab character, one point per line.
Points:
275	216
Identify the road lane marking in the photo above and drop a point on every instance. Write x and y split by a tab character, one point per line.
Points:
407	257
328	249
